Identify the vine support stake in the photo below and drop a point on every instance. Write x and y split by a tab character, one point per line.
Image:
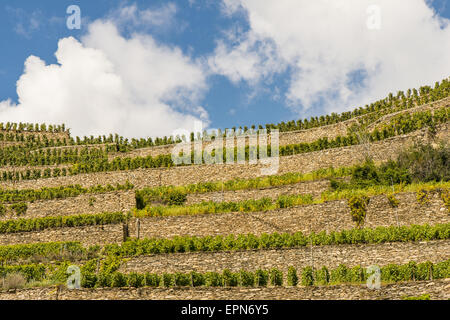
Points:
138	228
396	211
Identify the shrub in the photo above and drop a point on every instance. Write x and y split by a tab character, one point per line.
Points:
247	278
356	274
365	174
213	279
88	280
422	197
424	271
292	278
261	278
307	276
230	279
198	279
104	280
393	201
276	277
2	210
176	198
182	279
118	280
168	280
322	276
20	208
339	275
152	280
14	280
358	208
135	280
426	163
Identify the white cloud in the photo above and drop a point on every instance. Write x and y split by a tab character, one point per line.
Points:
109	84
132	16
251	59
25	23
325	42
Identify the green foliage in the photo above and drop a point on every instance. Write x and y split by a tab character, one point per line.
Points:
168	280
20	208
31	272
147	196
88	279
230	279
118	280
247	278
198	279
135	280
261	278
322	276
276	240
2	210
211	207
445	195
307	276
152	279
276	277
422	297
31	195
400	124
340	274
27	225
393	201
423	197
161	195
358	208
426	163
292	278
213	279
420	163
104	279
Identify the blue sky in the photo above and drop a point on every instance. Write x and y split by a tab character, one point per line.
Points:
281	85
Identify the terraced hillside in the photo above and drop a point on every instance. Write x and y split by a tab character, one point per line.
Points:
368	188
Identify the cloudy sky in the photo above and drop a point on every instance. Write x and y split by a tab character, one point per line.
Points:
148	68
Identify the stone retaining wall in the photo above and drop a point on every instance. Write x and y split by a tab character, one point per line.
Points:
330	256
306	162
438	289
90	235
328	216
83	204
306	136
315	188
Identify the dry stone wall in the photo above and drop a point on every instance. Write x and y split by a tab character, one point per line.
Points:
437	289
317	256
83	204
315	188
328	216
444	103
307	136
306	162
49	135
89	235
